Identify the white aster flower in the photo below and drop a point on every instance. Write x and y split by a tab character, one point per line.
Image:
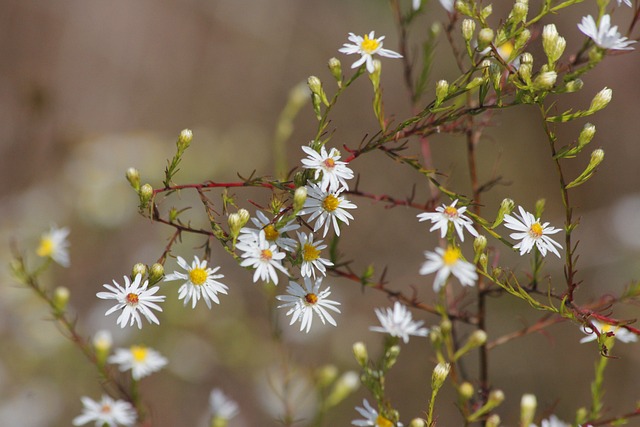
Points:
449	5
54	245
133	299
371	417
262	256
272	234
449	214
447	262
334	172
141	360
106	412
200	281
399	323
222	408
367	46
304	302
328	207
530	232
604	35
310	254
621	334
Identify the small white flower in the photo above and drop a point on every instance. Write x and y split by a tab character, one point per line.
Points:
627	2
399	323
272	234
133	299
447	262
106	412
449	5
553	421
310	254
620	333
141	360
304	302
530	232
221	406
262	256
54	245
449	214
200	281
328	207
367	46
371	417
416	4
334	172
604	35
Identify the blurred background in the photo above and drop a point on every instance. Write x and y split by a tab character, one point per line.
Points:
90	88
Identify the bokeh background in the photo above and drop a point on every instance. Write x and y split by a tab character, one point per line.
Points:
90	88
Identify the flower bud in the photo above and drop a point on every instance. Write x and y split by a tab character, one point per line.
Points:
344	386
539	207
485	37
468	28
479	244
439	374
596	158
442	90
475	82
477	338
445	326
315	85
244	216
466	391
519	11
102	343
418	422
140	269
545	80
552	43
601	100
326	375
521	39
462	7
483	260
361	354
526	58
493	420
133	176
61	298
145	193
487	11
528	405
496	397
524	71
574	85
586	134
582	415
155	273
506	207
336	69
184	140
299	197
391	357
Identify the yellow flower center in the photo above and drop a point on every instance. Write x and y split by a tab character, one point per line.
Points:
451	212
46	247
266	255
606	328
330	203
131	299
270	233
330	163
309	252
369	45
105	409
535	230
383	422
198	276
505	50
451	256
311	298
139	353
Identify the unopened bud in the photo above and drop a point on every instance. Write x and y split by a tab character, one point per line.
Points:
344	386
155	273
439	374
601	100
506	207
596	158
133	176
485	37
102	343
552	43
528	405
361	354
582	415
299	198
462	7
445	326
326	375
184	140
315	85
586	134
574	85
140	269
61	298
496	397
145	193
336	69
524	71
468	28
526	58
479	244
483	260
539	207
475	82
493	420
521	39
519	11
478	338
545	80
418	422
466	390
486	12
442	90
391	357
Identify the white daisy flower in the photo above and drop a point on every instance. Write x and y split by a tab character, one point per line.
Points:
449	5
54	245
447	262
398	322
262	256
133	299
272	234
530	232
603	34
310	254
449	214
200	281
366	46
328	207
306	301
334	172
621	334
371	417
106	412
222	408
141	360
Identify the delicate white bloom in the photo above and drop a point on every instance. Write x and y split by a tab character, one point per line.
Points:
449	5
221	406
530	232
447	262
133	299
54	245
200	281
106	412
307	300
627	2
416	4
398	322
272	234
102	340
371	417
621	334
262	256
141	360
310	254
604	35
326	207
367	46
553	421
334	172
449	214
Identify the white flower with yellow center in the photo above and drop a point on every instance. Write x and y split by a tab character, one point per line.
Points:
106	412
398	322
334	173
604	328
141	360
326	207
531	233
222	408
133	299
54	245
445	215
371	417
366	46
310	254
307	300
272	234
446	262
200	281
603	34
262	256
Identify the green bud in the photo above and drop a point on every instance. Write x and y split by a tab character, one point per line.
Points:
336	69
361	354
483	260
442	90
539	207
601	100
493	420
525	72
506	207
145	193
465	391
586	134
526	58
476	339
184	140
133	176
486	12
479	244
439	375
155	273
468	28
496	397
346	384
326	375
418	422
462	7
299	198
102	343
519	11
528	405
574	85
315	85
445	326
546	80
435	335
61	298
236	221
140	269
521	39
391	357
582	415
485	37
477	81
